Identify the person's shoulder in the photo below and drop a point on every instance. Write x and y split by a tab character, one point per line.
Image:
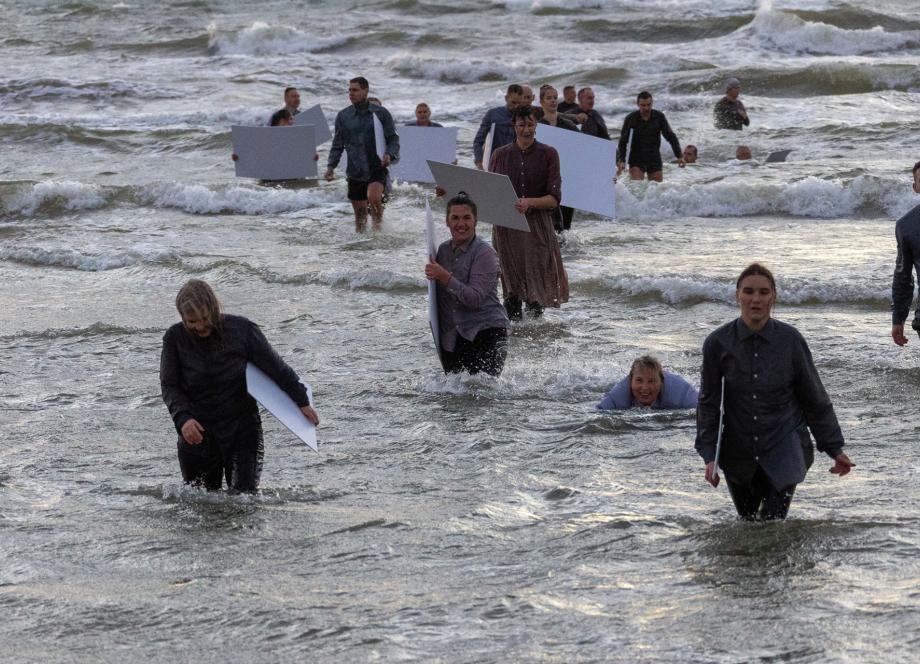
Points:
437	124
722	332
658	114
503	150
479	245
911	218
174	332
235	322
548	149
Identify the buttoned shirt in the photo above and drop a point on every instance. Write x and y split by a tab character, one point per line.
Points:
534	171
469	303
354	134
772	389
500	116
907	232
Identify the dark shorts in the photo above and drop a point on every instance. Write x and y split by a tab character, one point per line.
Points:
487	352
357	189
649	166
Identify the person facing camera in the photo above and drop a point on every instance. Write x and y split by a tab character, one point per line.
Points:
648	385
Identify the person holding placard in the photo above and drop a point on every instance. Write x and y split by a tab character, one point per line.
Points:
203	380
648	385
368	178
500	116
472	323
423	117
291	104
647	126
772	397
592	122
549	103
532	270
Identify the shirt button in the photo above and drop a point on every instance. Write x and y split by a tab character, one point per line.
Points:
755	417
756	439
754	396
755	375
756	355
756	458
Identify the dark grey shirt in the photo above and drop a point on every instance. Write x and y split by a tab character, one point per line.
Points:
469	303
907	232
772	390
354	135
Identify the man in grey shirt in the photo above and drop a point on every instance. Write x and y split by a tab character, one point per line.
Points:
907	232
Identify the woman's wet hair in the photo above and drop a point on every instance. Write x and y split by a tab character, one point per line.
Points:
462	198
756	270
198	298
278	116
648	363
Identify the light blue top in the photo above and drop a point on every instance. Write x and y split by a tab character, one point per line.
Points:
675	393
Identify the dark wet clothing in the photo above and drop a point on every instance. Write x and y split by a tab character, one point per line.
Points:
204	378
907	232
414	123
645	151
354	134
567	106
727	114
486	352
500	116
773	396
758	500
594	125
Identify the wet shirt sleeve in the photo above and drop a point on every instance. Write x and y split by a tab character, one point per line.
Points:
902	281
261	353
338	143
670	136
178	403
817	406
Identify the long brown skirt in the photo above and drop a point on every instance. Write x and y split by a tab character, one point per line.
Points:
531	262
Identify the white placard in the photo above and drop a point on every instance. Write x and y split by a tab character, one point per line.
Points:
419	144
432	284
315	116
588	165
379	138
277	402
275	153
493	193
487	148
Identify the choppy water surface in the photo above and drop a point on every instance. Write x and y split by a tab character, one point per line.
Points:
446	518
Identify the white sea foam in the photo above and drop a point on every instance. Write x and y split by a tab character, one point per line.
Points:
452	71
370	278
54	194
200	199
85	261
263	39
787	32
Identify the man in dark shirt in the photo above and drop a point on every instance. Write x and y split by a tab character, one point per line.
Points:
568	103
647	127
730	113
500	116
592	123
907	232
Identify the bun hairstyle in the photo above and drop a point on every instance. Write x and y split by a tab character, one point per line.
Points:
758	270
462	198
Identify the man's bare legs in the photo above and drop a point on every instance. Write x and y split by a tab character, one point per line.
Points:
375	203
635	173
360	208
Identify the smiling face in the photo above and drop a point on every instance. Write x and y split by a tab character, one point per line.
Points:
197	323
755	297
462	223
645	385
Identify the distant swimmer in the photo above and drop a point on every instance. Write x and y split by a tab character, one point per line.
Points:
592	122
647	126
568	103
203	380
471	319
367	174
907	233
549	98
772	397
743	153
648	385
500	116
690	154
532	270
291	103
729	112
423	117
282	118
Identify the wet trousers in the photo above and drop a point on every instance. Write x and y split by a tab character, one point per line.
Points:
487	352
759	501
209	463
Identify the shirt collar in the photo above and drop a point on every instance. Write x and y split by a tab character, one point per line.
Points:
465	247
767	333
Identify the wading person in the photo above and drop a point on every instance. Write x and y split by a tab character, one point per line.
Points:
423	117
907	232
648	385
291	104
729	112
203	379
471	319
532	270
549	103
648	126
367	174
773	396
500	116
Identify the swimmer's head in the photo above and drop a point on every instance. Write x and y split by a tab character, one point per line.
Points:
646	378
743	153
691	154
422	114
733	88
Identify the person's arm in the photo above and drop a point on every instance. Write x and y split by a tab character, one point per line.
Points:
710	400
601	126
671	137
338	145
902	286
392	138
742	113
261	354
178	403
480	141
619	397
624	139
815	404
679	393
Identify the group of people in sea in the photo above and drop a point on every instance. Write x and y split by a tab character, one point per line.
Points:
760	393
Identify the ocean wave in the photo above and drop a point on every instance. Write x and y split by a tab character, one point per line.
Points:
452	71
88	262
201	199
787	32
53	196
371	279
665	31
53	89
263	39
809	197
686	290
97	329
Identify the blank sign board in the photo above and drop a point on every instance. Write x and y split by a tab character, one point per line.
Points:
493	193
275	153
315	116
419	144
432	284
588	165
277	402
